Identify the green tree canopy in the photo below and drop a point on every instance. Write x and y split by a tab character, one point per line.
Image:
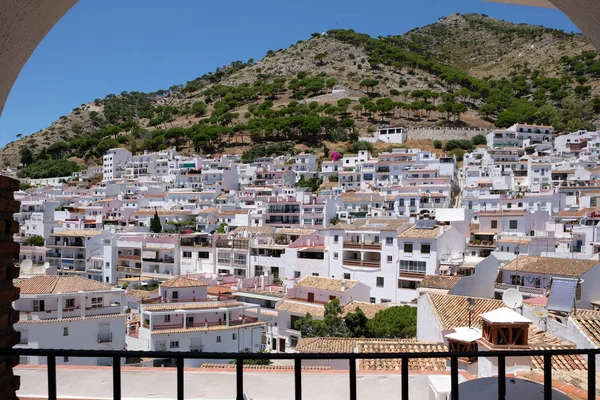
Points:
155	225
394	322
35	240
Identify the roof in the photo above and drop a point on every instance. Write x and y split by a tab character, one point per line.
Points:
269	367
420	233
577	213
257	230
301	308
326	345
401	346
589	323
140	294
182	281
439	281
260	292
452	310
76	233
550	265
60	284
192	306
372	224
369	309
330	284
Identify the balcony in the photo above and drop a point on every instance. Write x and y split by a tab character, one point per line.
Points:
363	245
482	243
129	270
232	322
361	263
407	386
131	257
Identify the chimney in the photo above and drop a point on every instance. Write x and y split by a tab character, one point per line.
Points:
262	282
344	284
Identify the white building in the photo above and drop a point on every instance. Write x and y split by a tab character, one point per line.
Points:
112	163
70	312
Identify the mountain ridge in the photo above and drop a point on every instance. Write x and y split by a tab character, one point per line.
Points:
437	75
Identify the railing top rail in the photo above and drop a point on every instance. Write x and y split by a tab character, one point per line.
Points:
293	356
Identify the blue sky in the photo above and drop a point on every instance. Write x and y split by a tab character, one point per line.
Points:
110	46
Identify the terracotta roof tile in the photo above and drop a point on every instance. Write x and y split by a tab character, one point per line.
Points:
550	265
401	346
330	284
182	281
297	307
192	306
416	233
589	322
87	317
60	284
269	367
439	281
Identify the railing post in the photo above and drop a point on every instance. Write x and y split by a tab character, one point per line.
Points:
51	366
180	387
404	378
501	378
547	377
454	378
298	378
592	376
352	362
116	364
239	380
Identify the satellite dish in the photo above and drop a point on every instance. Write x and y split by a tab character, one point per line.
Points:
26	265
540	312
512	298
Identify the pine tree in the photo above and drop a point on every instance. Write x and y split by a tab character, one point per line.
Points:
155	225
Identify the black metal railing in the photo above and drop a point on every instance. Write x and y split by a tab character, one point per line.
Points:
352	358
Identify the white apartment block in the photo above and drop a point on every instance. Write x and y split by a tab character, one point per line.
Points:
70	312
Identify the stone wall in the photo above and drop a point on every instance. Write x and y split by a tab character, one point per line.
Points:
444	133
9	252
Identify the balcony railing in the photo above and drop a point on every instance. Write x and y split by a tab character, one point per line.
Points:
363	245
352	358
130	257
360	263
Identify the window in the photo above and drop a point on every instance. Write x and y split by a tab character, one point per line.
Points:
389	241
65	331
347	276
335	238
494	224
293	341
425	248
413	266
380	281
39	305
335	256
372	300
401	202
315	274
96	302
69	303
234	336
65	359
167	318
408	247
296	274
218	339
403	284
386	301
175	294
174	344
509	205
513	224
389	259
187	254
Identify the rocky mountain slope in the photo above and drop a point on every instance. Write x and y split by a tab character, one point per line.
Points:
464	70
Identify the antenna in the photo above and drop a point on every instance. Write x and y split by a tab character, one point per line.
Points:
512	298
26	265
471	302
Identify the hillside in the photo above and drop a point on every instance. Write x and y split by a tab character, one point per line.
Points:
328	90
